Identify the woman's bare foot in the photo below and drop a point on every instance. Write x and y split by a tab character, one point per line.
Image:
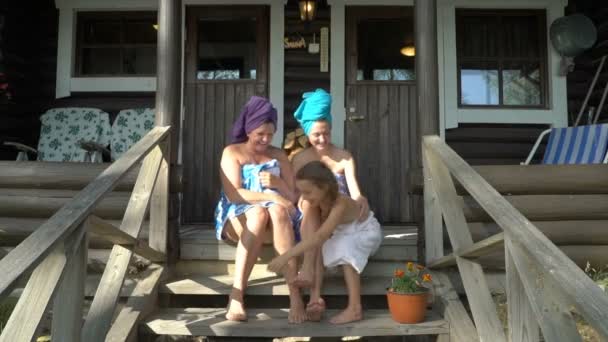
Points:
302	280
349	314
297	314
236	310
315	309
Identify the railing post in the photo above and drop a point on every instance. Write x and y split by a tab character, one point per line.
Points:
68	302
433	225
522	322
159	205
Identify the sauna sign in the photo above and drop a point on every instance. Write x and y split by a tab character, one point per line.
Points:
294	43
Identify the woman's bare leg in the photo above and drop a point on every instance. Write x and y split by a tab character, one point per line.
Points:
283	238
250	232
353	311
311	221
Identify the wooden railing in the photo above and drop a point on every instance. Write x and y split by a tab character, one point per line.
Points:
542	283
56	253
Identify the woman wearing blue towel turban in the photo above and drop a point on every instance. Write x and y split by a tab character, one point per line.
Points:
257	202
314	116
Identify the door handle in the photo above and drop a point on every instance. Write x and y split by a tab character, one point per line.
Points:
356	118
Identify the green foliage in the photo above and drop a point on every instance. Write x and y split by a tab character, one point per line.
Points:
410	280
599	276
6	308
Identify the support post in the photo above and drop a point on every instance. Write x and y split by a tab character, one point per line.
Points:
168	99
427	85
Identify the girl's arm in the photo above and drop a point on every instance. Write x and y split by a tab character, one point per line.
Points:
230	174
327	227
353	187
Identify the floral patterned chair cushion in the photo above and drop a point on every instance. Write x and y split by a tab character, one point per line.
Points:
63	128
129	126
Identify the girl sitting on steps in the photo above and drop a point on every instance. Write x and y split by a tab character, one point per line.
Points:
345	241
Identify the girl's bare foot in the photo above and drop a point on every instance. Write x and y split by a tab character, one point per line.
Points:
236	310
297	314
302	280
315	309
350	314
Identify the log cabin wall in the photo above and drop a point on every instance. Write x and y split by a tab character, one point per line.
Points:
28	46
586	64
302	69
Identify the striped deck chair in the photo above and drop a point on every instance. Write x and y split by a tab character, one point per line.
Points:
574	145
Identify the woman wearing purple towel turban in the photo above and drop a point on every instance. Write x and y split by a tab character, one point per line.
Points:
257	202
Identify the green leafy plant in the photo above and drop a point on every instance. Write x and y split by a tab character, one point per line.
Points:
410	280
599	275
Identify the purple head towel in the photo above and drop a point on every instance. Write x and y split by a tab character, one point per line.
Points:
257	111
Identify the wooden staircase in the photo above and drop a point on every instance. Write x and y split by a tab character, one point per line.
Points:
193	301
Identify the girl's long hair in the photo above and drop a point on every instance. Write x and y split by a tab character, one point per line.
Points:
321	176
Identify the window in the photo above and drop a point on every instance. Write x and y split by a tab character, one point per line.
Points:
227	49
116	44
502	58
383	41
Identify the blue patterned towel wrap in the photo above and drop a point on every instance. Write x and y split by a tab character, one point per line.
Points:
342	186
250	179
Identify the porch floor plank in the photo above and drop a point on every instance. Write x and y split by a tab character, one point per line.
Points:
273	323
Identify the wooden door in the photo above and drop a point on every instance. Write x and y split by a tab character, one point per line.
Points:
380	109
226	64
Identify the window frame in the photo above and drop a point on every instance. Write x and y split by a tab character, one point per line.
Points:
123	17
501	60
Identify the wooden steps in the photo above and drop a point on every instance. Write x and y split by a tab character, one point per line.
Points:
273	323
204	275
270	285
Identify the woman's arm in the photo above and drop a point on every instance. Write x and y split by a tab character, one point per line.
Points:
327	227
230	174
350	174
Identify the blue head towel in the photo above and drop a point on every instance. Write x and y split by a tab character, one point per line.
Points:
315	106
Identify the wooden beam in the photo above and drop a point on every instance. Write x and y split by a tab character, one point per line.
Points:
159	212
476	250
545	296
587	297
433	222
427	81
102	308
33	249
112	206
546	207
115	235
535	179
38	292
168	70
68	175
13	230
69	301
141	303
568	232
480	299
461	326
522	323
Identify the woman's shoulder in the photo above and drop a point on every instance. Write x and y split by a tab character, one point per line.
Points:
303	157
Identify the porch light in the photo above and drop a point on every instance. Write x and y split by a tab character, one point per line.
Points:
155	27
308	9
408	50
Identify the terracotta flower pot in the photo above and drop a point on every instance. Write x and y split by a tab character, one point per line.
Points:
407	308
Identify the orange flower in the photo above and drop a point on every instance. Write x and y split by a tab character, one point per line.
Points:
410	266
399	273
427	277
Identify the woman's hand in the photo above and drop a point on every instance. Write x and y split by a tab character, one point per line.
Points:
363	208
277	264
268	180
285	203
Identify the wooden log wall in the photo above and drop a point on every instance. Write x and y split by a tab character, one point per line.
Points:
495	144
302	69
29	60
586	64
